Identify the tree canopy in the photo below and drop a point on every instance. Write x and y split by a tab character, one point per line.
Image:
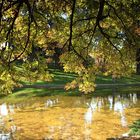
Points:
92	37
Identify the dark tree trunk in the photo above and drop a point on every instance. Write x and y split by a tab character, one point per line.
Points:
138	61
58	52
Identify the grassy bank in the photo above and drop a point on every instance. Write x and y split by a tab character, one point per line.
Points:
32	93
61	78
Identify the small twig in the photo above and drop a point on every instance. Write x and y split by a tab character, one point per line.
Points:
84	19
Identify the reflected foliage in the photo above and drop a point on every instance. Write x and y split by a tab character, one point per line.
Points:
57	117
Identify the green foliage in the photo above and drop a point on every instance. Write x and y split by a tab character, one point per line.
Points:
7	83
95	37
135	128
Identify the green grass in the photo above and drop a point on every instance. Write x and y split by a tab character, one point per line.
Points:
61	78
21	95
123	80
31	93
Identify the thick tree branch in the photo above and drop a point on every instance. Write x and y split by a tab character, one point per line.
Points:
98	18
1	6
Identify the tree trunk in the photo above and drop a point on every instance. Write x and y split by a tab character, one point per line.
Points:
138	61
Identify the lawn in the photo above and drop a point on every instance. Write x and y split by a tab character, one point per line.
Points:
61	78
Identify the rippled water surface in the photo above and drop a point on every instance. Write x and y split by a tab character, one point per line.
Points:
70	118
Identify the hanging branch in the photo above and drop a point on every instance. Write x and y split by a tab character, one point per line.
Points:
14	19
70	46
26	45
10	28
122	22
71	24
98	18
31	10
111	43
30	20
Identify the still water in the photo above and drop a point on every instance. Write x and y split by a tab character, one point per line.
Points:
70	118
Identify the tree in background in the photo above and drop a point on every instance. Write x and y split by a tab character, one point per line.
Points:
86	31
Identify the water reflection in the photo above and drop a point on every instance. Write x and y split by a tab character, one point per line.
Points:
133	98
3	110
50	102
118	107
11	108
91	108
5	118
6	109
110	100
70	117
116	103
5	136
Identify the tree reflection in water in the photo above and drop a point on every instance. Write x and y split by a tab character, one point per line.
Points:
118	104
119	107
69	119
5	111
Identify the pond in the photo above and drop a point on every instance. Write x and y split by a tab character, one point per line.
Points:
70	118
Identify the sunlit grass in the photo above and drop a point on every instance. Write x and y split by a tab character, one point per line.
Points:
61	78
24	94
30	93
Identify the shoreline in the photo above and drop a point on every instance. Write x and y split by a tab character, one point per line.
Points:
62	86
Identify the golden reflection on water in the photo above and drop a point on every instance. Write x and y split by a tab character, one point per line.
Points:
66	118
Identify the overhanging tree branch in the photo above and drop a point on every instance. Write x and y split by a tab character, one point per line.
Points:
26	44
98	19
13	21
70	46
71	24
112	44
30	20
122	22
